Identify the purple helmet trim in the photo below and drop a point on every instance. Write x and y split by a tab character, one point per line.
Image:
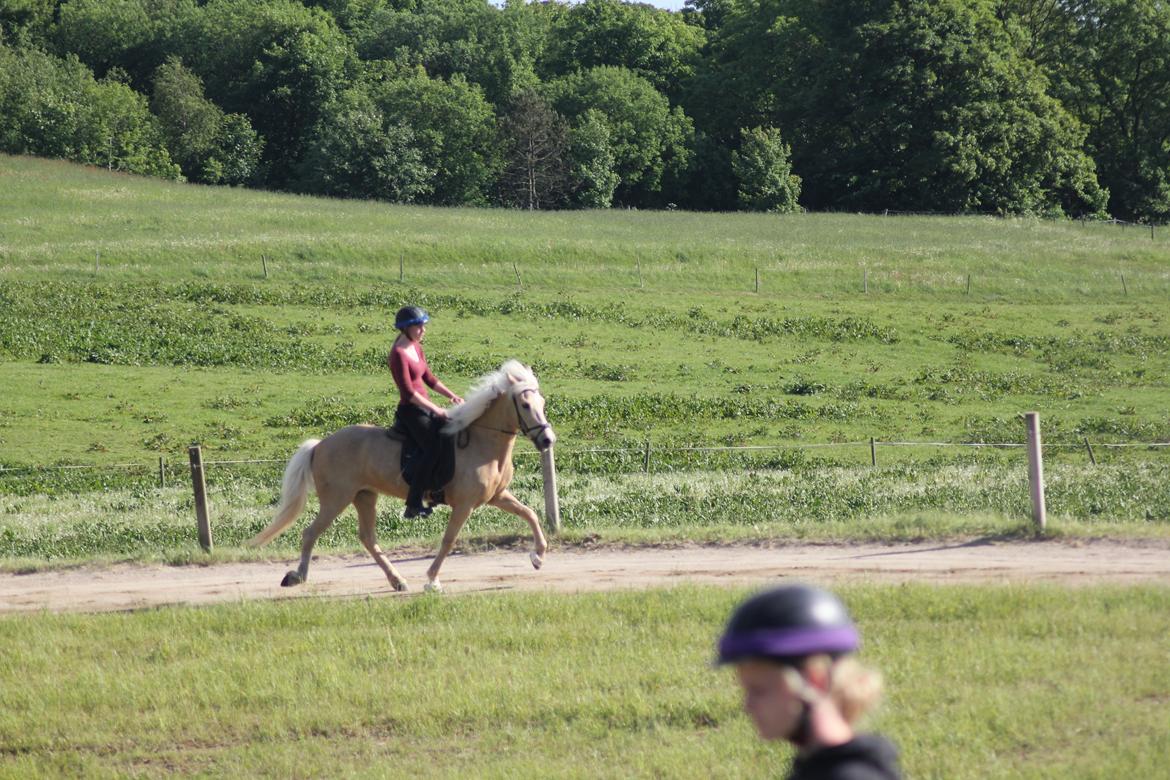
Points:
788	642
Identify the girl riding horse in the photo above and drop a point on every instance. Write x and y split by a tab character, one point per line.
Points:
416	412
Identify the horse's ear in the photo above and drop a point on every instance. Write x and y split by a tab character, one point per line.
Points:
513	379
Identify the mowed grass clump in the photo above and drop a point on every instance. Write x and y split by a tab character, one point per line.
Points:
1019	681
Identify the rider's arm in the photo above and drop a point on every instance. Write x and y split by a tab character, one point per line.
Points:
418	399
441	388
433	382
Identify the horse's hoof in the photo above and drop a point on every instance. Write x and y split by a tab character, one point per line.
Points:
433	586
537	561
292	578
401	587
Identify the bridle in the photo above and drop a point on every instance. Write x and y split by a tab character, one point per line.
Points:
531	431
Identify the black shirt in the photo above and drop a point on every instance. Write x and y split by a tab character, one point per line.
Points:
866	757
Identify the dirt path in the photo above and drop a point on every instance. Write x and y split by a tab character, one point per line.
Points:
125	587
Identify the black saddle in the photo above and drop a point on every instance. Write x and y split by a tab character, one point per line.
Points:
444	462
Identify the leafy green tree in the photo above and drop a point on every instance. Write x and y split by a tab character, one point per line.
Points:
649	139
211	147
26	22
105	33
535	141
710	183
764	171
353	152
1109	63
352	16
657	45
591	162
454	130
120	133
56	108
908	104
236	154
491	47
277	62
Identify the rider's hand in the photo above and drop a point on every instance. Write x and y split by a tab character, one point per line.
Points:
441	413
456	400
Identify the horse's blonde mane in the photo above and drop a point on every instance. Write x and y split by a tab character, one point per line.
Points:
486	390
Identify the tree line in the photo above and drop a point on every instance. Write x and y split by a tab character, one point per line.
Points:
1055	107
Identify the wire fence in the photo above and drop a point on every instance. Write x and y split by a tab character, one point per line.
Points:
646	458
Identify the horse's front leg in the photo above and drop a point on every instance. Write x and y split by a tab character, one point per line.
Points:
459	515
509	503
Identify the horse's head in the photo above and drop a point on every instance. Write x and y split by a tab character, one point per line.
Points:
530	417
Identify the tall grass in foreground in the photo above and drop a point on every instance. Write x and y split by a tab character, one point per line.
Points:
907	502
982	682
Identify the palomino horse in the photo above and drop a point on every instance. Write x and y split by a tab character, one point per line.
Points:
355	464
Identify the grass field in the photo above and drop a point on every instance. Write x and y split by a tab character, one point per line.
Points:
1013	682
136	319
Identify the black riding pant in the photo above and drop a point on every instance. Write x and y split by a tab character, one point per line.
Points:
424	429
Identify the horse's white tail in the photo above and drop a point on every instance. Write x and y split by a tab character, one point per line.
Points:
294	489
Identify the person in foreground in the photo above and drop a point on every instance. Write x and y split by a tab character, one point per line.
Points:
792	648
416	411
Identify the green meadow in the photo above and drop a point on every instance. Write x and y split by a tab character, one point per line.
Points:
138	317
1000	681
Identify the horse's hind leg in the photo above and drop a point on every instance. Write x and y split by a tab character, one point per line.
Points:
367	511
331	507
509	503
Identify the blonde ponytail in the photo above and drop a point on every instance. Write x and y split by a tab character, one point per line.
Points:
854	688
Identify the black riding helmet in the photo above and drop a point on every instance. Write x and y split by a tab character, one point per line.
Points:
786	624
410	315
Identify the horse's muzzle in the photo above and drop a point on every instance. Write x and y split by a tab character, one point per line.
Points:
543	437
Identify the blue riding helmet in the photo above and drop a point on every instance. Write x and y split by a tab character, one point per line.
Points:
786	624
410	315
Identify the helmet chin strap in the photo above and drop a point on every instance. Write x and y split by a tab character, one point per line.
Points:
809	696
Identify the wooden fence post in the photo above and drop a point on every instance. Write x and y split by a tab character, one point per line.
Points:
264	265
1124	286
646	458
1089	447
519	284
162	473
552	507
872	451
865	280
200	486
1036	469
757	279
401	267
968	284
